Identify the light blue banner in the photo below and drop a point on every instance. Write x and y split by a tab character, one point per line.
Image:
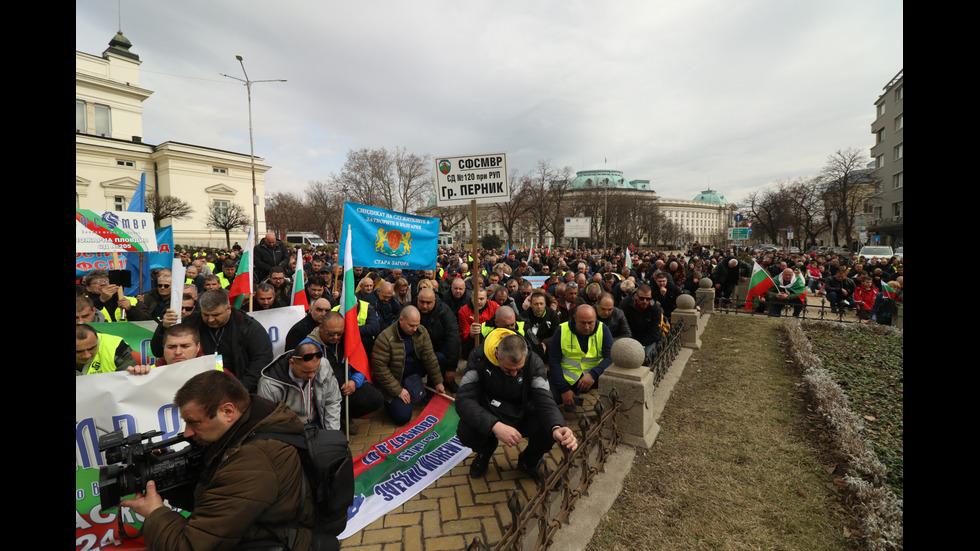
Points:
388	239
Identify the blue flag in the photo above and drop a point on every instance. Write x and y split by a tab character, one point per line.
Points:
137	262
388	239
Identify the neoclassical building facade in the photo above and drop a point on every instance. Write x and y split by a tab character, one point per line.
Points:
110	155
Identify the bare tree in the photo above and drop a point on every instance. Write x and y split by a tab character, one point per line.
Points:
805	196
327	204
228	217
394	180
548	188
167	206
513	212
286	212
769	210
848	185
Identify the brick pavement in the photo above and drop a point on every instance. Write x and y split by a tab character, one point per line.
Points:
457	508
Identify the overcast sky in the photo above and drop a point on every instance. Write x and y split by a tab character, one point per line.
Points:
687	94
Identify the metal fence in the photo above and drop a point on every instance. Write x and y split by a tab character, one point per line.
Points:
670	345
534	524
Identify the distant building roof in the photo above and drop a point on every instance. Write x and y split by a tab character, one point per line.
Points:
607	178
711	196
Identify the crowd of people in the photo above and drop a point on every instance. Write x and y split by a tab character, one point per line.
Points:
533	327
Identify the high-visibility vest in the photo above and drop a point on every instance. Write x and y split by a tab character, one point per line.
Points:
574	361
486	329
362	310
117	313
104	360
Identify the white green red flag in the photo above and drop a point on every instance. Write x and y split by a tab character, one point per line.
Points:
758	285
629	261
242	284
404	464
299	287
888	291
353	347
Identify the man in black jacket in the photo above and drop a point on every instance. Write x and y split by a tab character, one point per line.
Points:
504	396
443	328
243	343
268	253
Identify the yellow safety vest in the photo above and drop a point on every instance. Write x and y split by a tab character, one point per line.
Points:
362	310
486	329
574	361
104	360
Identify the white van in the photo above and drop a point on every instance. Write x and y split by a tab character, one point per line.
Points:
305	238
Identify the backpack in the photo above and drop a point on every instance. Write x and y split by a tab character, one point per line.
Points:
329	469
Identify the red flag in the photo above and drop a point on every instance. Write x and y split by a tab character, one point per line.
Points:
353	347
243	278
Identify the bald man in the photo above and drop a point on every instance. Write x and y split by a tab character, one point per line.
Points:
268	253
402	357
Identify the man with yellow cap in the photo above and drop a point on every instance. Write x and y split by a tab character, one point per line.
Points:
505	396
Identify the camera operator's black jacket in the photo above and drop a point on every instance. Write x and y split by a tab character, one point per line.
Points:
249	491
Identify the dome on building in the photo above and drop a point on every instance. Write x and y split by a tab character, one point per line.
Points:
607	178
120	45
711	196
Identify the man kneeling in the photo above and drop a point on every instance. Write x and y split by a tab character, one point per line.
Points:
504	396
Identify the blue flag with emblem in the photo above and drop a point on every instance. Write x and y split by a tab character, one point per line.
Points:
389	239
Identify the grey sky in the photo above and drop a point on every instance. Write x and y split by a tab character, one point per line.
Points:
731	95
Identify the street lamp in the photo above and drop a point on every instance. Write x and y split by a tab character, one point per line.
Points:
251	145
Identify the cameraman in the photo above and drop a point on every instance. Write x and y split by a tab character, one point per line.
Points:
249	490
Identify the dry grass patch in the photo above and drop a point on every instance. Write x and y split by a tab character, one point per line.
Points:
735	466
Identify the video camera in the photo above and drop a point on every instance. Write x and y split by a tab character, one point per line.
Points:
135	462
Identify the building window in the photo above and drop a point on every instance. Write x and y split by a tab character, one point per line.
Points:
80	122
897	208
221	209
899	122
103	120
900	93
219	170
128	164
899	151
881	109
119	203
879	161
897	180
880	135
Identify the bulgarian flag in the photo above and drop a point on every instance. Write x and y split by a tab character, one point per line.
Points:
758	285
353	347
299	288
887	291
629	261
243	277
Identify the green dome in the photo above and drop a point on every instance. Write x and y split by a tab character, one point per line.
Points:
607	178
711	196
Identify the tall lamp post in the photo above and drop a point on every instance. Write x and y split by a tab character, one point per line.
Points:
251	145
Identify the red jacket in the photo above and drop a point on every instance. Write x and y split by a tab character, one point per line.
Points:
465	317
865	298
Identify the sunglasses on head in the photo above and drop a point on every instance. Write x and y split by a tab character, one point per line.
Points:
310	356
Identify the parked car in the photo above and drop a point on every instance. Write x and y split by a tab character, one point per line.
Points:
869	251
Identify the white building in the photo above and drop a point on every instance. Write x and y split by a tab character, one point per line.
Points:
110	155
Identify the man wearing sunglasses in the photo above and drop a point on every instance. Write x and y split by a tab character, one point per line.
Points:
302	379
157	301
644	317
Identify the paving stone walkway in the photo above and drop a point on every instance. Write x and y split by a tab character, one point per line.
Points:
457	508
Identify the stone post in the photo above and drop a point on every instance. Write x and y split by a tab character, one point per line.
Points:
706	289
685	311
634	384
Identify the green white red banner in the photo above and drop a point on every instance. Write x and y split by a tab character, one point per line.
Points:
394	470
111	231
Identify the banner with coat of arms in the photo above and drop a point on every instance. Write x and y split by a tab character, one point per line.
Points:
388	239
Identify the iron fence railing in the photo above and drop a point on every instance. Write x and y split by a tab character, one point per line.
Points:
534	524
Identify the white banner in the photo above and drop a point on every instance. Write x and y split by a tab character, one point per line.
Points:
277	323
